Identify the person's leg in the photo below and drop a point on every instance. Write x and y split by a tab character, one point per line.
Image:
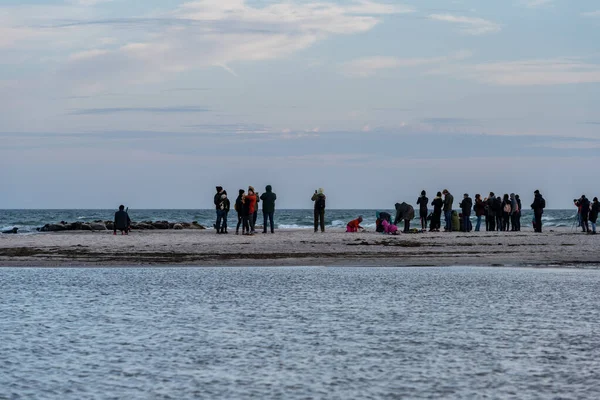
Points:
265	222
316	220
240	219
254	218
224	226
593	227
586	226
406	226
478	225
218	223
322	216
465	223
271	218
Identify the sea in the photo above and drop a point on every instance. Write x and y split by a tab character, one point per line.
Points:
28	221
299	333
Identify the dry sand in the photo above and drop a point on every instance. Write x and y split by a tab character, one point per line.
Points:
555	247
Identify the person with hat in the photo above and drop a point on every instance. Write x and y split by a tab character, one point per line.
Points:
319	199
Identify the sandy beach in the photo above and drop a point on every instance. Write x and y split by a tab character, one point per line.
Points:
555	247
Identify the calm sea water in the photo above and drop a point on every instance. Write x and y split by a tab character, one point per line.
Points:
28	220
299	333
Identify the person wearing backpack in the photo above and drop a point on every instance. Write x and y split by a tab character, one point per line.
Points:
319	199
538	206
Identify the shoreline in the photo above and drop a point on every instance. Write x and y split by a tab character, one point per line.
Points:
554	248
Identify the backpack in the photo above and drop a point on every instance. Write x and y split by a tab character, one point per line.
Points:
543	203
320	203
507	208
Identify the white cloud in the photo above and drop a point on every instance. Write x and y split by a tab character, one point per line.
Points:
469	25
591	14
368	66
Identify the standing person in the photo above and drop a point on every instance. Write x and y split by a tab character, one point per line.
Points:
223	206
122	222
436	217
239	208
251	199
448	202
319	199
491	212
404	212
514	205
217	201
584	213
268	207
246	215
255	215
466	205
423	202
506	211
499	214
479	209
595	209
518	218
538	206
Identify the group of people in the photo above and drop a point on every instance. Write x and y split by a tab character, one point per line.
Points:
587	213
501	213
246	207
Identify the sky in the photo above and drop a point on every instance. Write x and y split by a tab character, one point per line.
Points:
154	103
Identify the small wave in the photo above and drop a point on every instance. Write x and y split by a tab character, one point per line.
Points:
293	226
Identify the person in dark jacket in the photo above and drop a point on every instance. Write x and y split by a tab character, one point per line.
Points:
239	208
268	208
465	207
122	222
220	213
436	216
491	212
519	211
404	212
423	203
538	206
319	199
247	212
224	206
448	203
499	214
506	211
594	210
479	209
584	207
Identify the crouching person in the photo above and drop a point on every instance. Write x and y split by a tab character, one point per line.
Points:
354	225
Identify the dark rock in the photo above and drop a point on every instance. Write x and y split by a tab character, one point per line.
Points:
86	227
53	228
11	231
110	225
98	226
161	225
177	227
196	225
142	226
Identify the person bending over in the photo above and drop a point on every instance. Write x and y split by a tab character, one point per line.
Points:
354	225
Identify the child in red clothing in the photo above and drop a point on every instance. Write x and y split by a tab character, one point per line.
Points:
354	225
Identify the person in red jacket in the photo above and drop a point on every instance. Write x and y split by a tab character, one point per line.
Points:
354	225
251	199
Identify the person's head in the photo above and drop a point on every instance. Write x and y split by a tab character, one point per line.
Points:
360	219
445	192
595	199
250	189
492	194
268	188
439	194
241	192
225	192
466	195
320	191
423	193
582	196
477	196
121	207
219	188
505	196
517	197
512	195
575	200
536	192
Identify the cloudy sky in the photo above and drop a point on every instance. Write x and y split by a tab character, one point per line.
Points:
152	103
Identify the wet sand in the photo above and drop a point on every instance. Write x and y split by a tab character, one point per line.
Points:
555	247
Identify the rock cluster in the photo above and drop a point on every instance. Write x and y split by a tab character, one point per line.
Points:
108	225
